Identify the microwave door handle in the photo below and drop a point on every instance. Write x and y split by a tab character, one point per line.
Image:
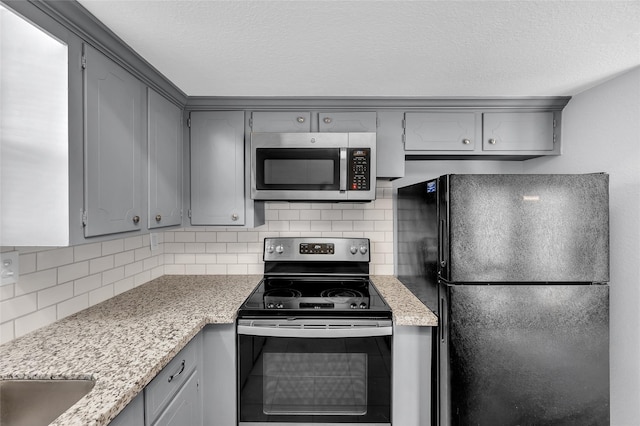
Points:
343	169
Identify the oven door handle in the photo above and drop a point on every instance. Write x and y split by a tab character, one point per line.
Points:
315	331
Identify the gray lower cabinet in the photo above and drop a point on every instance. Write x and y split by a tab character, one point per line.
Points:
115	147
174	396
217	168
411	386
481	133
132	415
219	375
165	161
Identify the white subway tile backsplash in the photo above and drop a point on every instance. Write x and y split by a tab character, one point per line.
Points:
101	294
18	306
27	323
36	281
73	305
53	295
87	251
54	258
112	275
112	247
73	271
101	264
87	284
6	332
55	283
133	243
27	263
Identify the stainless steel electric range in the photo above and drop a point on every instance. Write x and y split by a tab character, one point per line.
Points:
314	338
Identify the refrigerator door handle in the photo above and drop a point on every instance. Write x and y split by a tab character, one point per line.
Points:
443	320
443	262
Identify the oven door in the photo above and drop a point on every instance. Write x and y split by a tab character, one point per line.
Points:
314	372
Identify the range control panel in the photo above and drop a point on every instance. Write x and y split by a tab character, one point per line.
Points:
317	248
285	249
359	170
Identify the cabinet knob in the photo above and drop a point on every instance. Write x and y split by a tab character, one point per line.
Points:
300	119
235	217
492	141
327	120
466	141
158	218
136	219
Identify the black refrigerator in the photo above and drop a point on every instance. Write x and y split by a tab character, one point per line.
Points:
516	268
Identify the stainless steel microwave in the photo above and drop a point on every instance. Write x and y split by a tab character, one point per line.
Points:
313	166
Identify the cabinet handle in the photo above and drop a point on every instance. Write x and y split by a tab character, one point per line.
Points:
466	141
327	120
492	141
300	119
136	219
235	217
171	377
158	218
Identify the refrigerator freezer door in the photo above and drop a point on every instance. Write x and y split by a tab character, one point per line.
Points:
528	355
525	228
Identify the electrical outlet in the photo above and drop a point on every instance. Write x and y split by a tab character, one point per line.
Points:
153	240
10	262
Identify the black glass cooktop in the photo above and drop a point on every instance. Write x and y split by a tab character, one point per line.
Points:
311	296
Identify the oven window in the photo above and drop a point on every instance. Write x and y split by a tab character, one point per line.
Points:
301	169
315	383
314	380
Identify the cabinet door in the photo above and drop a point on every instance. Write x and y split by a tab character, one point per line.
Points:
186	406
519	131
266	121
132	415
217	168
114	147
347	122
440	131
165	162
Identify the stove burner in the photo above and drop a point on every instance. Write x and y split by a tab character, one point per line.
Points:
286	293
340	295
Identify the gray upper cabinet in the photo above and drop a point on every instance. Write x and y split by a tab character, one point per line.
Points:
217	168
347	122
268	121
516	134
114	147
532	131
165	161
441	131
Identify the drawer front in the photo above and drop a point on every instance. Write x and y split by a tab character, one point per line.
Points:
169	381
185	409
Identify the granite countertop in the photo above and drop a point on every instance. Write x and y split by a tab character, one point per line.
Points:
124	342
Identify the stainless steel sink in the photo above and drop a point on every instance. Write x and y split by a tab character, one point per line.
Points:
38	402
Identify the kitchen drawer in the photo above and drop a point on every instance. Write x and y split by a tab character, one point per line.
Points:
186	408
168	382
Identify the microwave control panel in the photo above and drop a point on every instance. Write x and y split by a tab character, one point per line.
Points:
359	171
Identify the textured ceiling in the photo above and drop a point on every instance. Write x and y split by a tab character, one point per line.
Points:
379	48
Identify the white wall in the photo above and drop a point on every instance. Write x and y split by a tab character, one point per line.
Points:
601	133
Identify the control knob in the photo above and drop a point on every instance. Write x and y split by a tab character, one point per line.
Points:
363	249
363	305
353	306
270	305
270	249
279	249
279	305
353	249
